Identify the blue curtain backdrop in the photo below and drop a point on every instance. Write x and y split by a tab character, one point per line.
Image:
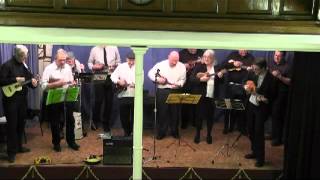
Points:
6	52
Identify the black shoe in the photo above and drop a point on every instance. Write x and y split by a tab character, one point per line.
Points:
276	143
209	139
196	139
250	156
23	150
57	148
74	146
11	158
159	136
259	164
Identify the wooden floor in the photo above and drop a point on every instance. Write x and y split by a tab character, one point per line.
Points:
179	154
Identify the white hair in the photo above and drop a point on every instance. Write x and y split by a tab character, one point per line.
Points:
210	52
21	48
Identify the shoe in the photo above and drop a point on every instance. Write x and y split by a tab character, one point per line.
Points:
209	139
57	148
276	143
74	146
11	158
23	150
259	164
159	136
250	156
196	139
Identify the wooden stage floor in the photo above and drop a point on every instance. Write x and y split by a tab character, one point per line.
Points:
173	156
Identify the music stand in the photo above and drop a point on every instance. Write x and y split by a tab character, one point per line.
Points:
229	104
184	98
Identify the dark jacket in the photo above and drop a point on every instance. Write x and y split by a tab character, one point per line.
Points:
198	86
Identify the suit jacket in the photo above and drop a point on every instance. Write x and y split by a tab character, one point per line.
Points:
268	89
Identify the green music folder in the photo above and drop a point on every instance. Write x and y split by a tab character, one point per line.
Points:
59	95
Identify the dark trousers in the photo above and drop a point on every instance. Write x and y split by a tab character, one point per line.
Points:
205	111
257	116
188	114
278	115
102	106
56	116
167	114
15	110
126	114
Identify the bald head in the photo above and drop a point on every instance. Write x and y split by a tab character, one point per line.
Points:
173	58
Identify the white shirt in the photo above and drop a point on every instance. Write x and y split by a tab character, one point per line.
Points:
96	56
124	72
175	75
210	84
253	97
52	71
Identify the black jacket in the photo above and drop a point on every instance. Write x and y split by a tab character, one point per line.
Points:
8	73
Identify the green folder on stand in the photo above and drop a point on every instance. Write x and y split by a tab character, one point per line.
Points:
62	95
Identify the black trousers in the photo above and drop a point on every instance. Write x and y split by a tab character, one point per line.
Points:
278	116
126	114
167	114
188	111
58	113
205	111
257	116
15	110
102	106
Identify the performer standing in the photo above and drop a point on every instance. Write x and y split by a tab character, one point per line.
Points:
280	69
103	59
15	107
124	78
259	108
238	63
189	57
59	75
170	75
203	78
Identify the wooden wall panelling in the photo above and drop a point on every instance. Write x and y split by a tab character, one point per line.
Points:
30	3
248	7
298	7
87	4
192	6
154	6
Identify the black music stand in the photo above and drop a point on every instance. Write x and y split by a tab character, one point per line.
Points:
184	98
228	104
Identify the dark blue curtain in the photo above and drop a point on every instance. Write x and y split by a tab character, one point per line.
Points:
6	52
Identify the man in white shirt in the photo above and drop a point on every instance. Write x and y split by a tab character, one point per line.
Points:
124	78
170	76
103	59
59	75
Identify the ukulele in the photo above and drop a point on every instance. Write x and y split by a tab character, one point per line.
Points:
11	89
